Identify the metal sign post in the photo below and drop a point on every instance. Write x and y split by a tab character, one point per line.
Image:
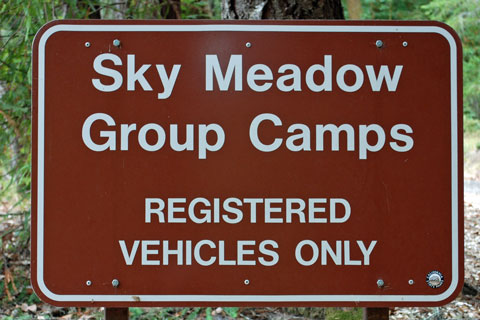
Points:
116	314
375	313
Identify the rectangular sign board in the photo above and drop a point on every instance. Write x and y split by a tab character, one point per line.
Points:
247	163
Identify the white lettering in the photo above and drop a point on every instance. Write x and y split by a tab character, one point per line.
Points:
254	132
212	66
168	82
114	74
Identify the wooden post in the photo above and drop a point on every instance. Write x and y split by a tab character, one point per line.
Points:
375	313
116	313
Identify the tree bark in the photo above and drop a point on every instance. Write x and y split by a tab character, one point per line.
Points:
170	9
278	10
92	9
354	8
281	9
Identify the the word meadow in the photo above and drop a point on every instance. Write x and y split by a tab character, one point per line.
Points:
205	138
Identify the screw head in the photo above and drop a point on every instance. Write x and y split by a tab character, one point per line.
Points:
379	43
380	283
115	283
247	282
410	282
116	43
248	44
87	44
405	43
89	283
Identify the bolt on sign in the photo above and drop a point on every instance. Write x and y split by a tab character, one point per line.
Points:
247	163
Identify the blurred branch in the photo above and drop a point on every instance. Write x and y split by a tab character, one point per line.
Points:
11	122
21	213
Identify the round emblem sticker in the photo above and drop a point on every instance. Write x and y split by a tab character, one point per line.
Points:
435	279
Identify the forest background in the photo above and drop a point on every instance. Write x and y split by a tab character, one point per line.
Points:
20	20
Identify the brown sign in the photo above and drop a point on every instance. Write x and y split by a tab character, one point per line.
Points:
247	163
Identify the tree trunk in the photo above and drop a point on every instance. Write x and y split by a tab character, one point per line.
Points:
282	9
170	9
354	8
92	9
285	9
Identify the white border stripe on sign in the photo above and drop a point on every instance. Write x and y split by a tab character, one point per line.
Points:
244	298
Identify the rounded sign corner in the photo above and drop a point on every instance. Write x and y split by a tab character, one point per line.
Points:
42	291
450	294
449	34
43	30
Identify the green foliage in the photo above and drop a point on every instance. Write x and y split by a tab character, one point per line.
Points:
19	316
208	313
181	313
470	125
194	313
151	314
169	313
155	9
135	313
306	312
14	103
232	312
464	17
18	287
342	314
198	9
393	9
